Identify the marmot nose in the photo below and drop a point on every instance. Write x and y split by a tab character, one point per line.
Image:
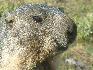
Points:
37	19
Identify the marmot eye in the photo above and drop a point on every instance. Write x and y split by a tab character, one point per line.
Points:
9	22
37	19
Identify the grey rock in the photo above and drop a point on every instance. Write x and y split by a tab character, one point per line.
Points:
79	65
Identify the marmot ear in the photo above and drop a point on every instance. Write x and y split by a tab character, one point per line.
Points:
9	20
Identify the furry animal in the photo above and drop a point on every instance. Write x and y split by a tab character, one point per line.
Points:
33	33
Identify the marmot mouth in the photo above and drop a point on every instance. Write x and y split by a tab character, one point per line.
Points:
60	46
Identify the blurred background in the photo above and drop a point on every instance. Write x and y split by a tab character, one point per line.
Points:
80	55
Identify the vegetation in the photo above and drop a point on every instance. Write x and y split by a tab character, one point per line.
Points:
81	11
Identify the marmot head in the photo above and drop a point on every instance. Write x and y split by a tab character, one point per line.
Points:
41	29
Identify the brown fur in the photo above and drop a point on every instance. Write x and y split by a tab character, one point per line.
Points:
34	33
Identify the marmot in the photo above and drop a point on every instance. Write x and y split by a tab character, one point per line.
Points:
33	33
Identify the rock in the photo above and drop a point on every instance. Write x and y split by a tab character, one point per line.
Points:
79	65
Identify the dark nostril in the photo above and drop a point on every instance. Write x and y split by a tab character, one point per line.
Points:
37	19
